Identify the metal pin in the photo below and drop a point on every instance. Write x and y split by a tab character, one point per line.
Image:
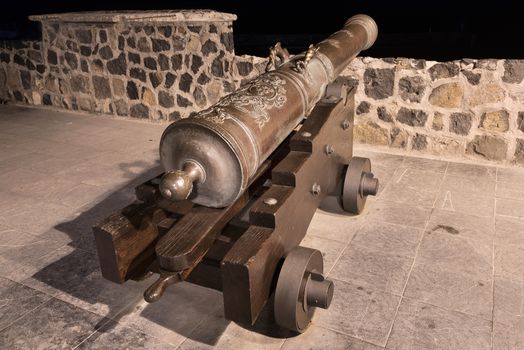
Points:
315	189
270	201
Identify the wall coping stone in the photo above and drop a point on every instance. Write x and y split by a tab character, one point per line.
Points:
137	16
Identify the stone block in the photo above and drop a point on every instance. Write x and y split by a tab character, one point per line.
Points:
143	45
160	45
71	60
487	64
118	87
118	66
25	78
185	82
471	77
412	117
200	97
244	68
196	63
121	108
80	83
166	31
226	39
443	70
84	67
438	121
176	61
495	121
378	83
132	90
97	66
489	147
371	133
86	50
519	151
101	87
447	95
3	79
513	71
165	99
419	142
411	88
133	57
446	145
138	73
486	93
131	42
399	138
52	57
363	107
163	62
148	97
102	36
213	91
139	111
106	53
520	121
384	115
209	47
179	43
183	102
156	79
170	80
5	57
217	67
72	45
84	36
460	123
193	44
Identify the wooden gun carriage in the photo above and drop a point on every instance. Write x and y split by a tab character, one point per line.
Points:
243	180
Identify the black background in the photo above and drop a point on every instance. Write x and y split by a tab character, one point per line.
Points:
439	30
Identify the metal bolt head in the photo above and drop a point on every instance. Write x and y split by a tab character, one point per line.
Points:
305	134
329	149
315	189
346	124
270	201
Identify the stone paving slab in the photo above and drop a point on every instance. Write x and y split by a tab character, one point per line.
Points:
435	260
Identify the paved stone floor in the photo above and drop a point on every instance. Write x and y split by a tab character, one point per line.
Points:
435	262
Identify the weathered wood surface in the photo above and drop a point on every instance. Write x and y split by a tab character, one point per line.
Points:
186	243
249	268
126	240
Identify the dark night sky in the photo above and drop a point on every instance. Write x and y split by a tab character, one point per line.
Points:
434	30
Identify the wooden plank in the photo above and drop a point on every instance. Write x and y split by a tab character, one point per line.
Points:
125	241
251	265
188	241
285	172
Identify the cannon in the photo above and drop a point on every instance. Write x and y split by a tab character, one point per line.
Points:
243	179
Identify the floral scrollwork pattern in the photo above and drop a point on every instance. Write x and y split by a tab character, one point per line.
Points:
254	99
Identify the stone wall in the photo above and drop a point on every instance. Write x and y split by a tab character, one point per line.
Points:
165	65
157	65
468	107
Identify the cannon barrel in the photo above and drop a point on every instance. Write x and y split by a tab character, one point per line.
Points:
211	156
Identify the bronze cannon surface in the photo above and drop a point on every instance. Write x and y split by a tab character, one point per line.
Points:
220	149
243	179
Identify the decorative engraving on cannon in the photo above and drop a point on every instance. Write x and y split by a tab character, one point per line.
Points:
242	182
254	99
